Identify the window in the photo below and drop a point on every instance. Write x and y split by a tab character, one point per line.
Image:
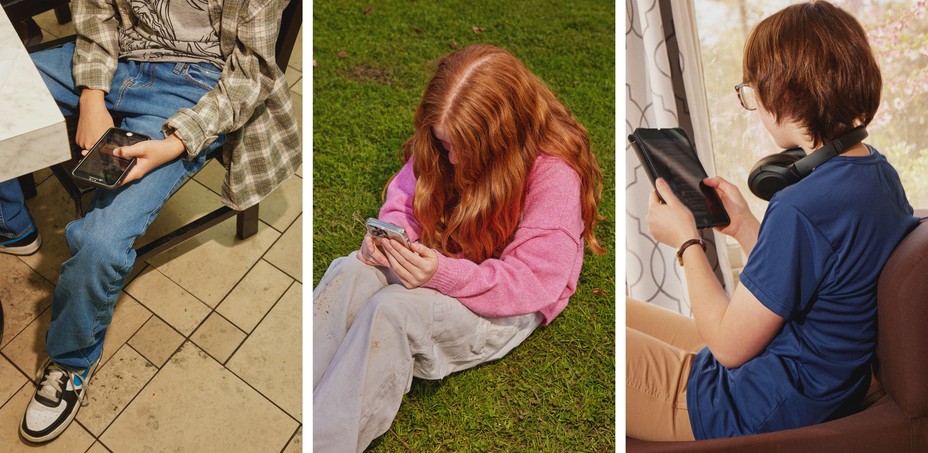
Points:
898	33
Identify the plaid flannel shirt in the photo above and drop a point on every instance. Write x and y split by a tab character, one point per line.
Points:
251	104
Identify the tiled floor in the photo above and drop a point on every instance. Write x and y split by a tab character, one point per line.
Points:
204	351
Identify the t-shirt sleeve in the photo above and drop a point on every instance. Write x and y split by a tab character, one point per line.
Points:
789	261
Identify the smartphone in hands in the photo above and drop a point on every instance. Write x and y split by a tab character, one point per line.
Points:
379	230
103	169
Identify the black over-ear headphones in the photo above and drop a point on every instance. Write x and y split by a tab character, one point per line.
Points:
773	173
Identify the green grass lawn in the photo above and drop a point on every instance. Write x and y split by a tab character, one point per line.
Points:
556	392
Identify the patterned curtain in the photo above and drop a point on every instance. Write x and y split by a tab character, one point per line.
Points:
664	88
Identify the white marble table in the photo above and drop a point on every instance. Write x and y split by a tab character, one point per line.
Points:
32	130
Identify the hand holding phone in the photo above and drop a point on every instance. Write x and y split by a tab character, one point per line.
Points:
379	230
372	251
100	167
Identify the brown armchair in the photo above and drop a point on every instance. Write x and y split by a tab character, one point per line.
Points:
898	420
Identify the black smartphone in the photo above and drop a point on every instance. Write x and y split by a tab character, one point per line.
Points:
100	167
669	154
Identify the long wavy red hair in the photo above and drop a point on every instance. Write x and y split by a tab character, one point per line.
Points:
498	117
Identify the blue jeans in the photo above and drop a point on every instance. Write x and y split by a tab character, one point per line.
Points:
14	217
145	94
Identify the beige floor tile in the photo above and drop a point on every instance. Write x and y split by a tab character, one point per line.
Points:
11	380
211	176
113	387
299	171
283	205
194	404
189	203
98	448
287	252
156	341
296	444
128	317
298	111
42	175
210	264
271	358
24	294
254	295
52	210
278	209
74	439
172	303
49	24
292	76
296	59
218	337
297	87
27	350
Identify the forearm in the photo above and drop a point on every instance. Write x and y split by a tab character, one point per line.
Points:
747	237
708	299
92	98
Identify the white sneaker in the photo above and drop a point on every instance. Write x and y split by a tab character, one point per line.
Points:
54	405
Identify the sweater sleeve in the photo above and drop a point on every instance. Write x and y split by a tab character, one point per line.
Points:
397	207
539	267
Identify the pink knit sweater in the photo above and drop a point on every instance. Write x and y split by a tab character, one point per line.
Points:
537	271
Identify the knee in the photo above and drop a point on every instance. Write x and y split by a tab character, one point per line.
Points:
351	266
389	308
95	249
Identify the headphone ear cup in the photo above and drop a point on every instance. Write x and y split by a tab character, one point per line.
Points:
771	174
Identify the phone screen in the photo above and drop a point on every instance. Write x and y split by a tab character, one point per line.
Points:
100	166
670	155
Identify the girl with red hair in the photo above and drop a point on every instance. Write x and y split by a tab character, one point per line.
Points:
498	195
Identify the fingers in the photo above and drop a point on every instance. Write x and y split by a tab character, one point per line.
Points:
128	152
422	250
409	266
370	254
134	173
719	183
666	192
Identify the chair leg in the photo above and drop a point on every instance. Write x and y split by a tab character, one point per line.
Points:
27	184
63	14
246	222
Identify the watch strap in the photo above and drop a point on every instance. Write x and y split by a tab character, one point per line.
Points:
686	245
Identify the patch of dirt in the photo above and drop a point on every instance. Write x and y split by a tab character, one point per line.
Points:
368	74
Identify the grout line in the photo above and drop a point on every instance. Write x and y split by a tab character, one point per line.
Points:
29	376
290	441
248	335
128	403
18	389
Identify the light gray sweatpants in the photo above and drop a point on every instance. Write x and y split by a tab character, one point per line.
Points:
371	335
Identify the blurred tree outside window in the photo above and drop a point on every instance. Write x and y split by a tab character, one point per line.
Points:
898	32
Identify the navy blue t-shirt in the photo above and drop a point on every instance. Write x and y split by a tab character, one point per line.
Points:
819	253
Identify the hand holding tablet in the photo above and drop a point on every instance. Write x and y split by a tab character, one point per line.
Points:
669	154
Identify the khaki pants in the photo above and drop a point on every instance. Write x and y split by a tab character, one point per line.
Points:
660	347
372	335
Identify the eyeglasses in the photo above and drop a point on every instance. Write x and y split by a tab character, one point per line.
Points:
747	96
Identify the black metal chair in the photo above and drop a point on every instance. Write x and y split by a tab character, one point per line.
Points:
246	221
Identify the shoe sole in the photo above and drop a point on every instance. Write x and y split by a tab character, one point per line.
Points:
23	250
